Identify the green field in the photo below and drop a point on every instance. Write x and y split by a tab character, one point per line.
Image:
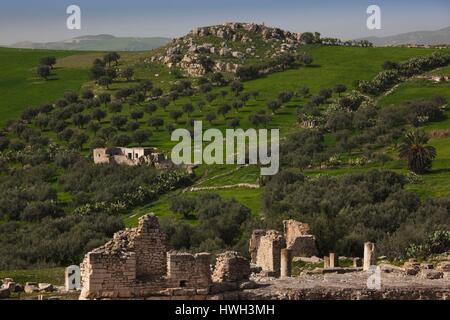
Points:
21	88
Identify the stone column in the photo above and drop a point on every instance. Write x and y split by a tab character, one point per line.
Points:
369	255
286	263
326	262
333	260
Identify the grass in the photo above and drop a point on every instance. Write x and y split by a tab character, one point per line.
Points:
21	88
225	175
54	276
415	90
160	208
436	183
251	198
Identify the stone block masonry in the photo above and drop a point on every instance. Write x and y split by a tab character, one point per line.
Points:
299	239
231	267
150	247
188	270
132	256
136	263
254	244
269	252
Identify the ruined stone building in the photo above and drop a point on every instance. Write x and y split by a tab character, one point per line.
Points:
137	263
265	246
129	156
299	239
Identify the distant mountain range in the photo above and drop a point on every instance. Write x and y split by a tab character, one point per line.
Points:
441	36
102	42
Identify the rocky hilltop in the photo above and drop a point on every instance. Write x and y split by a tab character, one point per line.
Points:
226	47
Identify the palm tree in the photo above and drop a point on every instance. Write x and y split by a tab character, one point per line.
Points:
414	150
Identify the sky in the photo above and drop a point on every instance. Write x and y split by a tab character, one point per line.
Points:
45	20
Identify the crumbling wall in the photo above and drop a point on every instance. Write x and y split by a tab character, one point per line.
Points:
136	264
186	270
133	256
269	252
265	247
303	246
293	229
149	243
109	275
231	267
298	239
253	244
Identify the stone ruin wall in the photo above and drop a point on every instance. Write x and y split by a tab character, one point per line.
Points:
149	244
254	244
299	239
293	229
187	270
131	257
265	246
136	264
231	267
108	275
269	252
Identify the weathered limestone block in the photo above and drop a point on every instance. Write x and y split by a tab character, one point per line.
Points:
269	252
231	267
369	255
31	287
334	261
4	293
426	266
